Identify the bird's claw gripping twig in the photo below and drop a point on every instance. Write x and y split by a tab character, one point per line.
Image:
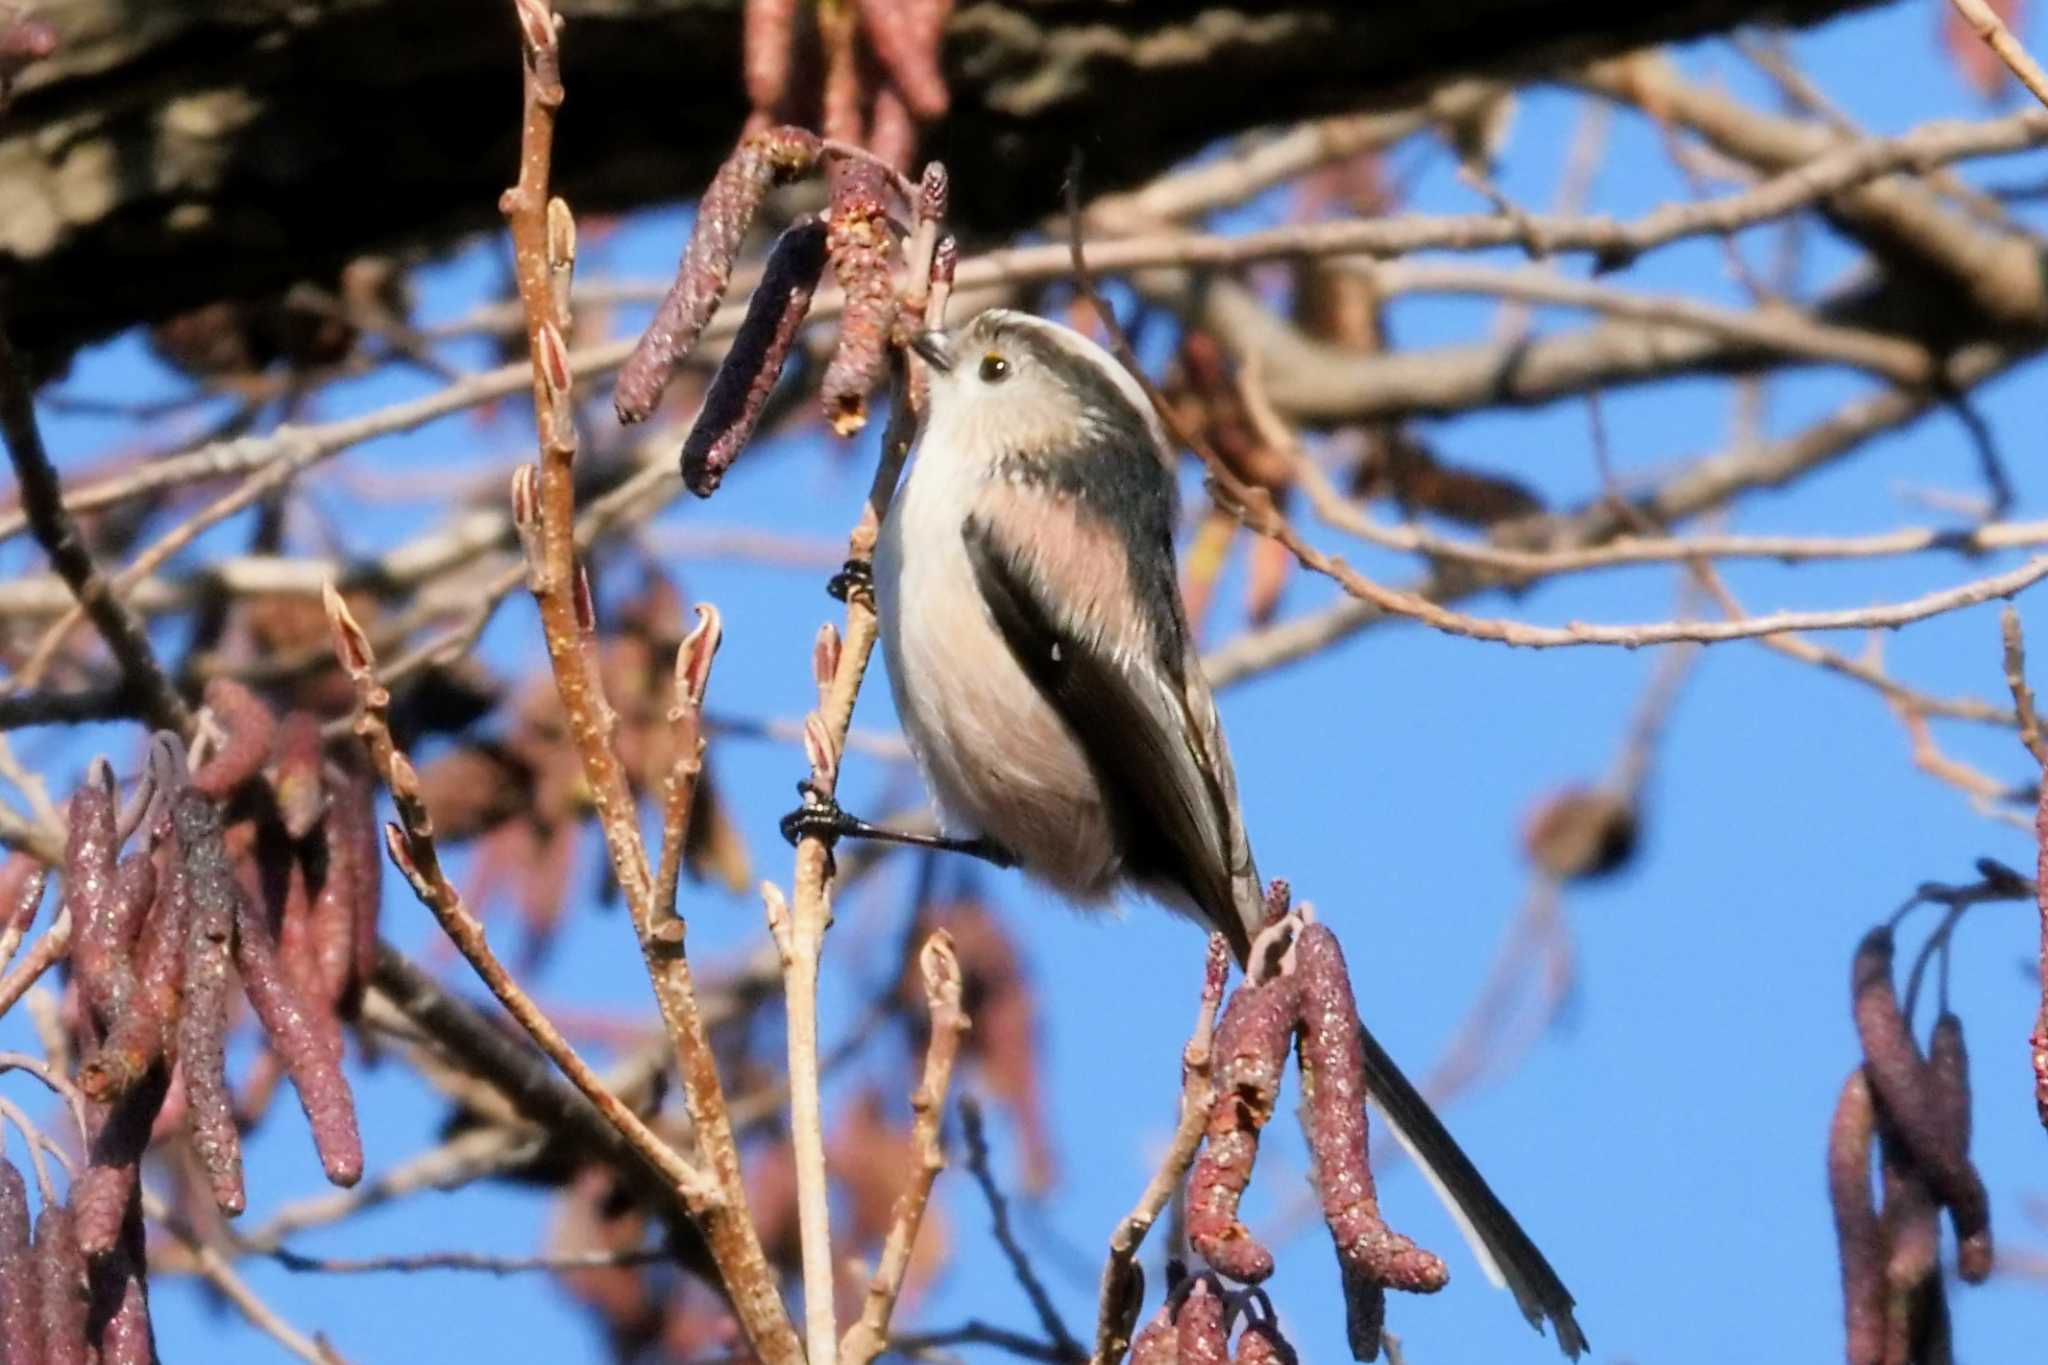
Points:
855	577
821	817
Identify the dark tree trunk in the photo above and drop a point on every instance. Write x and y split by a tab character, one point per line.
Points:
172	153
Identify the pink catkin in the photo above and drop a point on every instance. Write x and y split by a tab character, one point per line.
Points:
1858	1237
352	816
124	1075
21	1327
90	850
863	251
1250	1051
1334	1096
1948	1061
107	901
328	924
117	1259
123	1130
160	952
739	392
767	46
90	847
1159	1342
204	878
1912	1228
120	1303
293	916
307	1041
61	1282
1204	1327
907	47
106	1190
248	727
1909	1096
1261	1344
843	90
892	129
22	879
726	211
106	964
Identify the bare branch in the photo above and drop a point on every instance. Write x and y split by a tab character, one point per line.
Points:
869	1337
43	509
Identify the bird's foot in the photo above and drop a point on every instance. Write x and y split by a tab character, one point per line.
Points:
855	578
821	817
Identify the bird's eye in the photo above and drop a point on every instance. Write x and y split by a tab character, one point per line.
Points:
994	369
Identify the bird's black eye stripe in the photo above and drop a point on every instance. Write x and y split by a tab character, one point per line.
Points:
994	369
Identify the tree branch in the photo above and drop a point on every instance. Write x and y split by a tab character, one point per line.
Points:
42	502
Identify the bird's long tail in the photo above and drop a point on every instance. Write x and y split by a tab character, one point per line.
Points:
1505	1252
1511	1260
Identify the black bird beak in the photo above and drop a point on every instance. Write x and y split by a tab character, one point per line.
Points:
936	348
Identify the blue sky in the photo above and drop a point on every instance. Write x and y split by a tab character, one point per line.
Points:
1663	1143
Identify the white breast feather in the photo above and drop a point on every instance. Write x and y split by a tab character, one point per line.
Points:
998	759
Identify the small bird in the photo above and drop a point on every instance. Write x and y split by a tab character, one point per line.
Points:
1032	625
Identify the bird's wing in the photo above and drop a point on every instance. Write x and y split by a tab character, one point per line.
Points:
1160	760
1205	732
1151	730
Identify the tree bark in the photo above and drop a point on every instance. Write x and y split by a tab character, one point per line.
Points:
171	153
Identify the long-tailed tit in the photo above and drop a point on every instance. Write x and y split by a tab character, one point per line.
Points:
1040	659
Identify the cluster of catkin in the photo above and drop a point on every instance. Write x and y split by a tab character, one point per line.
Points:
254	872
1911	1108
1296	996
867	72
1193	1327
858	234
56	1305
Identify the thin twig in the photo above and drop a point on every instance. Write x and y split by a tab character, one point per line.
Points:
2030	727
56	530
467	1157
1117	1310
800	940
686	729
466	1260
1258	510
543	239
2016	682
257	485
413	849
868	1337
1841	167
2000	39
215	1268
921	1345
48	951
804	921
1006	1237
1773	327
